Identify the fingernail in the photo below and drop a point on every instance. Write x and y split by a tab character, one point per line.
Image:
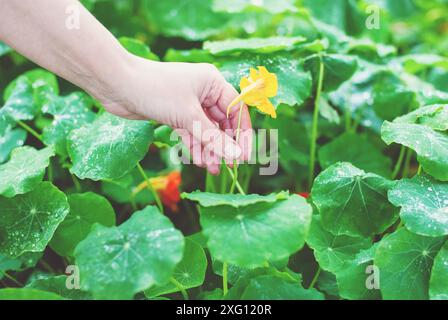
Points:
232	151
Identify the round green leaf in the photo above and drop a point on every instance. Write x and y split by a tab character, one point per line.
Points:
29	221
138	48
338	68
353	202
269	287
85	210
272	6
434	116
58	285
108	148
424	203
294	83
117	262
431	146
194	19
207	199
438	285
20	102
24	170
352	277
10	140
189	273
405	261
258	45
7	263
27	294
247	233
333	251
358	150
69	113
4	49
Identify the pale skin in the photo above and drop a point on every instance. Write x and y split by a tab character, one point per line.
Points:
175	94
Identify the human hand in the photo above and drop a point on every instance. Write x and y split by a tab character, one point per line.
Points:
192	99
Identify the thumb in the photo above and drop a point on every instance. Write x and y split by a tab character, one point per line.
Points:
214	140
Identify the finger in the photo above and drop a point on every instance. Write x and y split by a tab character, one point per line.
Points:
194	147
213	138
227	96
212	161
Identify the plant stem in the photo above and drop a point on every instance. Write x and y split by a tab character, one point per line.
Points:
315	126
180	287
225	287
407	163
235	163
209	183
30	130
238	186
316	276
419	171
399	163
150	188
76	183
13	279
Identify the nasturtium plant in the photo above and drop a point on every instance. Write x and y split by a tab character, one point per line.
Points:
86	209
438	285
362	153
19	101
351	278
69	113
405	260
138	48
11	139
430	145
109	147
424	205
258	45
352	202
27	294
249	232
30	220
146	246
276	288
189	272
333	251
59	285
24	170
356	126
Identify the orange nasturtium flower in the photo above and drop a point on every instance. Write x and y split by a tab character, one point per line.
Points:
256	91
167	187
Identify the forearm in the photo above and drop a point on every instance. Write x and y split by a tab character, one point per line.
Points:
89	57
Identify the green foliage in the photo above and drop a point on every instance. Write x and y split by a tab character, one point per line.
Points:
357	107
30	220
90	147
248	231
353	202
85	210
146	246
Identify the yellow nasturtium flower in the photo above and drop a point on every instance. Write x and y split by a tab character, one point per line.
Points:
256	91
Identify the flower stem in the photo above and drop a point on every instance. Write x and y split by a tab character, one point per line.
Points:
399	163
235	163
12	279
30	130
76	183
225	287
419	171
238	186
407	163
150	188
316	276
180	287
315	125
